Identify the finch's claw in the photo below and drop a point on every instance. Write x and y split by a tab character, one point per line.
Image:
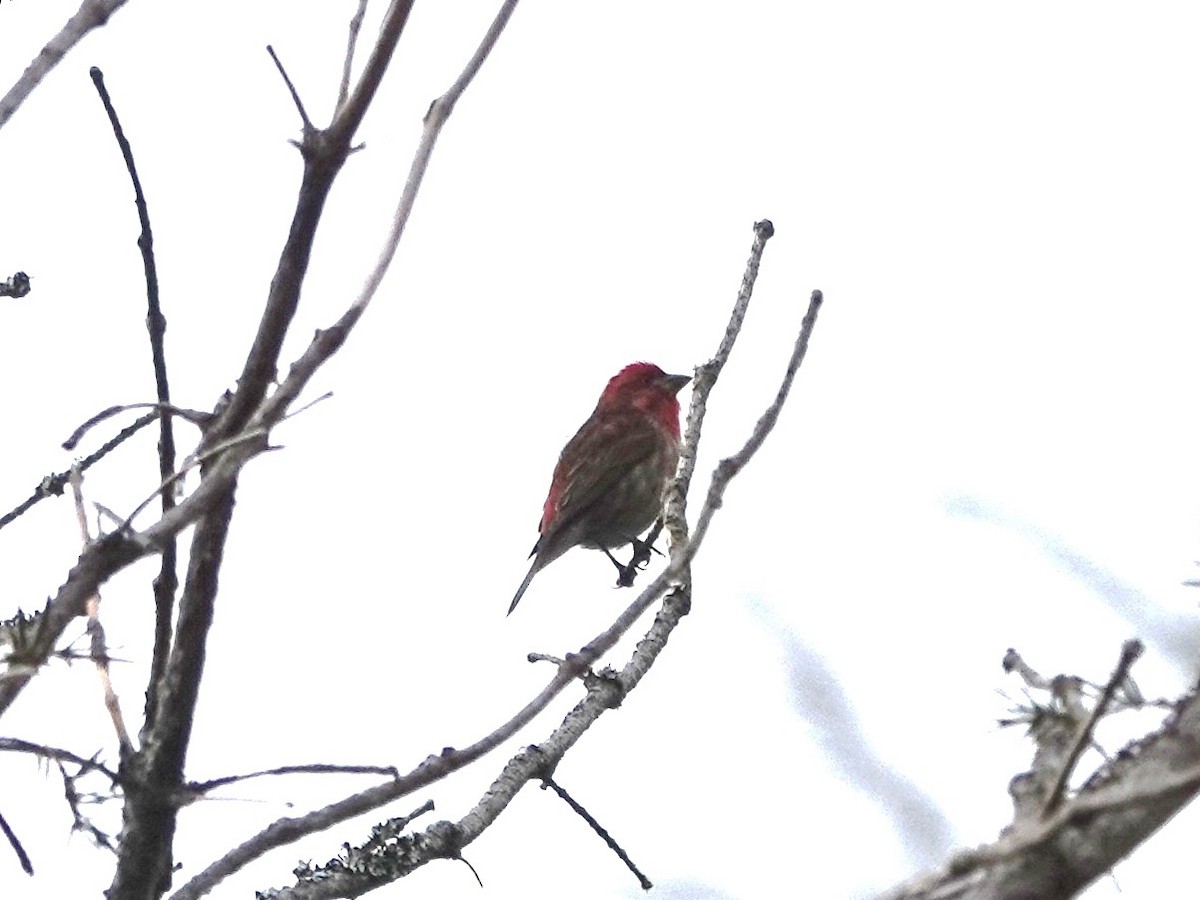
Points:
639	560
642	551
626	576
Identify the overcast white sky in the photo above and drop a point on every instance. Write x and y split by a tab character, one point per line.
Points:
992	443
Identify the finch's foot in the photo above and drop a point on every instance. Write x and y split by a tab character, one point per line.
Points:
641	556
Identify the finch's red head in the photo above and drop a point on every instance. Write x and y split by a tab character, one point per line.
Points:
646	387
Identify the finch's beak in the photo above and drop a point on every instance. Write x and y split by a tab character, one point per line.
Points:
676	382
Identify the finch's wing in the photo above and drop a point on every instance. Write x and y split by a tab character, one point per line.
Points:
602	453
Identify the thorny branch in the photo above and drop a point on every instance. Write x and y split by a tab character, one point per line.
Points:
42	751
76	801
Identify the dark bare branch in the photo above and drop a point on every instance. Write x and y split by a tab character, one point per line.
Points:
22	856
600	830
324	153
167	580
304	119
203	787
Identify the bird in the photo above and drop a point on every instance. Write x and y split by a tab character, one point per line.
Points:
610	478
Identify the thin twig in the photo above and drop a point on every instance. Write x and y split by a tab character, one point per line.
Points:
291	414
203	787
75	802
53	485
324	153
192	461
730	467
1130	651
308	125
44	751
327	342
601	831
195	416
22	856
704	381
1014	662
99	646
351	45
167	580
92	14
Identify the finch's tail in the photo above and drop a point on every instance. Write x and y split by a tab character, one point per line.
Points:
533	570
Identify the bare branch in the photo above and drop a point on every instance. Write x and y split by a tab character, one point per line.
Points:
351	44
1014	662
324	154
43	751
327	342
304	119
76	801
166	582
730	467
99	645
53	485
324	157
203	787
191	415
144	858
92	14
1117	808
600	830
13	842
703	383
192	461
1130	651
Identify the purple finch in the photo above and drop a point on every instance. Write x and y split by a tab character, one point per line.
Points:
609	482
